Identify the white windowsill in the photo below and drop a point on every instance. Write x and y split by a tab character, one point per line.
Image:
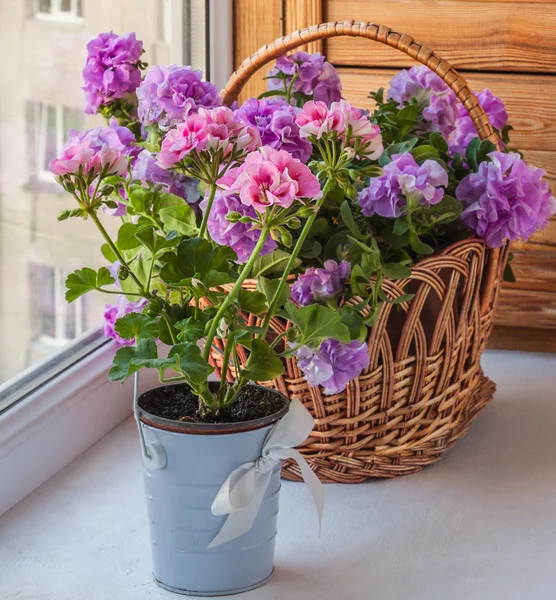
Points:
478	525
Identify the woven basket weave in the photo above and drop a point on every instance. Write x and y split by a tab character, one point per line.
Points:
424	383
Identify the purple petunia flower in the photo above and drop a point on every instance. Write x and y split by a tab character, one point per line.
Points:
403	182
275	121
506	199
315	76
320	284
169	94
114	312
464	130
333	364
111	69
240	237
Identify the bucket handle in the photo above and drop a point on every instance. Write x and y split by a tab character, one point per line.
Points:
154	455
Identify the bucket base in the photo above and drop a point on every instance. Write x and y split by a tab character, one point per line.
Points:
209	594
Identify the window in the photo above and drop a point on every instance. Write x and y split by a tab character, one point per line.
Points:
52	124
59	9
41	101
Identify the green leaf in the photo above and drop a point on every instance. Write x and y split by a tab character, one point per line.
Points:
447	206
191	363
315	323
400	226
402	147
438	142
471	153
164	200
123	365
196	257
349	221
252	302
136	325
216	278
180	218
509	275
126	237
190	329
275	262
417	245
423	153
108	253
269	287
402	298
354	322
140	199
395	271
359	281
152	241
263	364
311	249
85	280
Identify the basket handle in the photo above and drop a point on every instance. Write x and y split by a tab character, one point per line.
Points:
378	33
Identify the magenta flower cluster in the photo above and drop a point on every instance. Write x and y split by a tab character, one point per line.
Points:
271	177
111	70
275	121
240	237
404	181
320	284
506	199
113	312
333	364
168	95
441	108
314	77
100	149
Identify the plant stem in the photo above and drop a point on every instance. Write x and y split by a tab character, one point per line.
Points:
235	290
122	260
169	325
293	256
225	361
210	200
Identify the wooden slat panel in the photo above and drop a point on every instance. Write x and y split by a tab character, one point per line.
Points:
520	338
495	36
301	14
256	23
529	99
534	272
522	308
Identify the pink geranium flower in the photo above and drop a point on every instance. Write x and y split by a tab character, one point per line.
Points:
185	137
271	177
316	119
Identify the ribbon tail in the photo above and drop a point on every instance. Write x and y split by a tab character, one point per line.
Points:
311	480
241	520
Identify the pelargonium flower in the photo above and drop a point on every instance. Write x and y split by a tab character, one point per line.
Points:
213	129
168	95
316	119
403	181
269	177
275	121
111	69
465	130
114	312
333	364
240	237
315	76
101	148
506	199
320	284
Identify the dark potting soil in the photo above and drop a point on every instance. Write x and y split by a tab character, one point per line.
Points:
178	403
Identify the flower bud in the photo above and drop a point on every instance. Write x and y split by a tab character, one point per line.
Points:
123	273
233	217
294	223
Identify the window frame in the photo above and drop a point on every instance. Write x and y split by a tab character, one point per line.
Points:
55	414
57	14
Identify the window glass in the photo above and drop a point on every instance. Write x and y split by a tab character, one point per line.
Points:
40	101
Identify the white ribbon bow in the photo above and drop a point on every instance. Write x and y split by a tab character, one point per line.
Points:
241	495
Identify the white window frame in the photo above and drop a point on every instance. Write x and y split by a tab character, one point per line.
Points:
57	14
41	135
56	421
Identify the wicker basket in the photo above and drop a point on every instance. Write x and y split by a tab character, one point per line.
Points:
424	383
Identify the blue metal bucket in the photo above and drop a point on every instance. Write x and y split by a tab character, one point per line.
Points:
199	457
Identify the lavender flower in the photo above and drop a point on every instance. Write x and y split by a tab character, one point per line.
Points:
111	70
169	94
240	237
320	284
333	364
404	182
275	121
114	312
464	130
315	77
506	199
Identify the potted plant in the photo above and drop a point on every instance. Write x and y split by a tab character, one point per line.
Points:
219	210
